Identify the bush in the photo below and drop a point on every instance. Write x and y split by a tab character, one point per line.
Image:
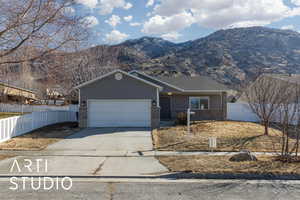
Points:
181	118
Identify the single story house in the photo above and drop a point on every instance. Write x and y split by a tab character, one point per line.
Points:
271	83
10	93
134	99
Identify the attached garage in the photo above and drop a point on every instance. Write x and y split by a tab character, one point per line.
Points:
119	113
119	99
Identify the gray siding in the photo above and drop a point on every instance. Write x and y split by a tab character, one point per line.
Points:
217	111
109	88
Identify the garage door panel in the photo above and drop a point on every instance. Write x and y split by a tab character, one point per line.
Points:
119	113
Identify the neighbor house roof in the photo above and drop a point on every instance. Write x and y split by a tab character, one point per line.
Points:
16	87
292	78
187	83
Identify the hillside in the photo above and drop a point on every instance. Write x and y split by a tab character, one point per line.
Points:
229	56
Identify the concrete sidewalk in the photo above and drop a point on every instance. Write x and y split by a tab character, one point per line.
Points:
97	163
92	152
98	153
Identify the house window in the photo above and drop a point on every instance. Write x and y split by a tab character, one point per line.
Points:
199	103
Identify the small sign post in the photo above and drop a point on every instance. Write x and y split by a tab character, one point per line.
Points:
212	141
189	113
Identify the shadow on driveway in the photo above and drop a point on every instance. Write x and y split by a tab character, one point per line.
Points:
123	131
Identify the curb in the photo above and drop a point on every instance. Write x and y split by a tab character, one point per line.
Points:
177	176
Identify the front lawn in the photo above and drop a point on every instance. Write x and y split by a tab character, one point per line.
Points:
231	136
222	165
8	114
39	139
3	157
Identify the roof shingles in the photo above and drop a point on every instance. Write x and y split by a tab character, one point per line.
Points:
196	83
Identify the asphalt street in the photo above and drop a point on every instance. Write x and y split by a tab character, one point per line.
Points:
162	190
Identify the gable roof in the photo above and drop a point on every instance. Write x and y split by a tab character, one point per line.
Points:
196	83
292	78
16	87
113	72
187	83
155	79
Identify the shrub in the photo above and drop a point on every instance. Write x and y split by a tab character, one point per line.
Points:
181	118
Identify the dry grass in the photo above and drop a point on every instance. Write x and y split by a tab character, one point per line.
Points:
39	139
8	114
231	136
2	157
222	165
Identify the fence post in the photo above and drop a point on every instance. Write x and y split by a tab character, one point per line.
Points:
15	126
188	120
32	120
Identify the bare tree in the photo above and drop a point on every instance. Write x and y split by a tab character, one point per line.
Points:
66	70
264	96
30	29
288	116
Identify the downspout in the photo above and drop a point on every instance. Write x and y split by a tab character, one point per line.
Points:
78	98
79	102
222	106
157	97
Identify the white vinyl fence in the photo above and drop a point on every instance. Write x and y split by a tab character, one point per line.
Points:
19	125
35	108
240	112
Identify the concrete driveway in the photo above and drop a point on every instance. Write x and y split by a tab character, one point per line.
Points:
94	152
109	141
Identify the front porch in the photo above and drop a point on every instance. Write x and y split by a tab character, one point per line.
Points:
212	106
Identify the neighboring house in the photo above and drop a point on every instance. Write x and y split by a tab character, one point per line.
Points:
275	80
10	93
134	99
53	96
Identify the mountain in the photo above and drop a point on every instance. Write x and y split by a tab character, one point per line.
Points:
151	47
229	56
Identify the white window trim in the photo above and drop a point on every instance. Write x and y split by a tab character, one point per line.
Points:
198	97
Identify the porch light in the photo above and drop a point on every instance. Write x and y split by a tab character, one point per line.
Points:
169	93
154	103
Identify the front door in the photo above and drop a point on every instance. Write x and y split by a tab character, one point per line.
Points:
165	107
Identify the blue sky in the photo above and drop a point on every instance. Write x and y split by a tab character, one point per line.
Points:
113	21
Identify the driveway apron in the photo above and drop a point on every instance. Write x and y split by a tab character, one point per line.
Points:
93	152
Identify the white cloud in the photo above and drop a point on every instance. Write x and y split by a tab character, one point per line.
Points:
90	21
107	6
128	18
226	13
88	3
160	24
69	10
296	2
288	27
135	24
115	37
127	6
150	3
173	36
114	20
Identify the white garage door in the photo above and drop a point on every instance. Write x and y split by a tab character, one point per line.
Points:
119	113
